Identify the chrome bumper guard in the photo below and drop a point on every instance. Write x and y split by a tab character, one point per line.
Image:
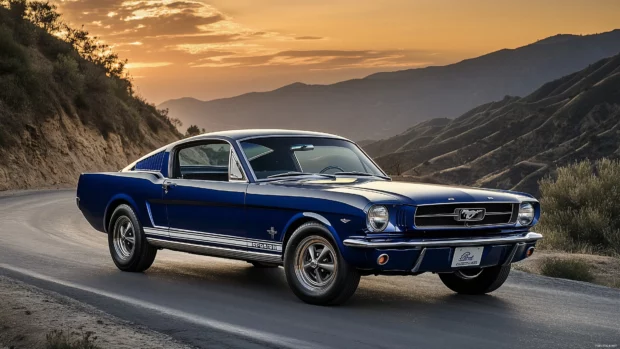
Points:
529	237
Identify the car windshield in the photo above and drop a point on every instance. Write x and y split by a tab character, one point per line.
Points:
293	156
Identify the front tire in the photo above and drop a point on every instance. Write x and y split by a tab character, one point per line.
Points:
476	281
315	270
127	242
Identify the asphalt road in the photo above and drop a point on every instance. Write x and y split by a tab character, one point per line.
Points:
216	303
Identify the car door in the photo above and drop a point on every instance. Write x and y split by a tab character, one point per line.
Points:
205	202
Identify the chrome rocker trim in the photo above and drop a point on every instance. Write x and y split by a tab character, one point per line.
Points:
215	251
529	237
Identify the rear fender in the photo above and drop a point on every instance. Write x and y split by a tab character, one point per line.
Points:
114	202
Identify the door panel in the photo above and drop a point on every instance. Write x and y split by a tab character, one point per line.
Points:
206	207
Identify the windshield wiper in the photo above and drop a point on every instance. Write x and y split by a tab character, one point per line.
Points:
357	173
294	174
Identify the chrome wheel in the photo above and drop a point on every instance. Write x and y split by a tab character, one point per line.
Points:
316	264
124	238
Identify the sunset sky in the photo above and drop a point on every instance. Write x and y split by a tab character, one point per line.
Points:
219	48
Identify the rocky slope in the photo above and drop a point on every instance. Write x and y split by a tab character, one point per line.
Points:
514	142
56	151
384	104
61	114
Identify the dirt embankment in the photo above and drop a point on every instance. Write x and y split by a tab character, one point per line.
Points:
54	153
28	315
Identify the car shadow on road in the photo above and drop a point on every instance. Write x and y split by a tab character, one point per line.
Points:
402	293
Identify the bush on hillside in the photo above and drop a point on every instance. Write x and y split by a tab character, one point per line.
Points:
47	68
581	207
67	73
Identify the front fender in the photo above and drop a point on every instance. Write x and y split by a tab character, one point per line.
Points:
341	228
305	215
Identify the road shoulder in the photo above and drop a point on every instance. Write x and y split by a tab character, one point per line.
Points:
28	314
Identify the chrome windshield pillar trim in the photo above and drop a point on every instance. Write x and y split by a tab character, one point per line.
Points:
529	237
418	261
513	251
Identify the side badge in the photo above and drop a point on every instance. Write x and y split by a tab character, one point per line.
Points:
272	232
345	221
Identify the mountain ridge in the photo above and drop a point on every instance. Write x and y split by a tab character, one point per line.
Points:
514	142
383	104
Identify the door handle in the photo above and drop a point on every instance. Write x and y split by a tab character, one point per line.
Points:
167	185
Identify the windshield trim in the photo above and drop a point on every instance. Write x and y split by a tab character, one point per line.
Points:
238	141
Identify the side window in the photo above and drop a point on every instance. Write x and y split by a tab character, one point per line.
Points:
206	161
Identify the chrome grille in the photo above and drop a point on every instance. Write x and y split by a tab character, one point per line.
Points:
446	215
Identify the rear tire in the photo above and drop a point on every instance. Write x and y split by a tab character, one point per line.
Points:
127	242
486	281
315	270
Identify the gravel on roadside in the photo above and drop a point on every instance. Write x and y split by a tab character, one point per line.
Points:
28	314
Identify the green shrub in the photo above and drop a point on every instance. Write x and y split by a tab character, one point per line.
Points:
61	340
572	269
44	72
13	57
67	73
581	206
51	46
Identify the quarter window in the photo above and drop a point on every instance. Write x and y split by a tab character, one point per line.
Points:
206	161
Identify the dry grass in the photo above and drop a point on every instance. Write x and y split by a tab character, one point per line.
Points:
602	270
61	340
572	269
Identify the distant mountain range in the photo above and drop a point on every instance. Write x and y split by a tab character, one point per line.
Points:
513	143
382	105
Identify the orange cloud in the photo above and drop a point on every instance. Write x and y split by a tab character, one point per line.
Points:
138	65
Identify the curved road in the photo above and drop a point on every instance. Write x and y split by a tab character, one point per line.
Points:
216	303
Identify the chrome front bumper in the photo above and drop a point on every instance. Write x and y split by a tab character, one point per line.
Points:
384	243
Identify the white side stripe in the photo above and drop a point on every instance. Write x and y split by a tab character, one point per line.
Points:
227	240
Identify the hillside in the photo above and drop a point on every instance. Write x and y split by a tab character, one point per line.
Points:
384	104
514	142
61	113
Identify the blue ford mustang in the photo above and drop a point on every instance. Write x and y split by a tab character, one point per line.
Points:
312	202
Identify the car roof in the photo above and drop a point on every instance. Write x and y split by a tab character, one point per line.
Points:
254	133
236	135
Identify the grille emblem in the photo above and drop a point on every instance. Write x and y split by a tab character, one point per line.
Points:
469	214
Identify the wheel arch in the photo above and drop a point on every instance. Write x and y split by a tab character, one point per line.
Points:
302	218
113	203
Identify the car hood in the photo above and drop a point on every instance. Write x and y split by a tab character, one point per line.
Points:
414	193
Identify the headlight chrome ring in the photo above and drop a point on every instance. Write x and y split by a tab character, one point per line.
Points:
526	214
378	218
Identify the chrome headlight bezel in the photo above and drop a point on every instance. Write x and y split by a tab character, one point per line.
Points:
377	218
526	214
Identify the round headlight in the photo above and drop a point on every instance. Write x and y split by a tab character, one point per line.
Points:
378	218
526	214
